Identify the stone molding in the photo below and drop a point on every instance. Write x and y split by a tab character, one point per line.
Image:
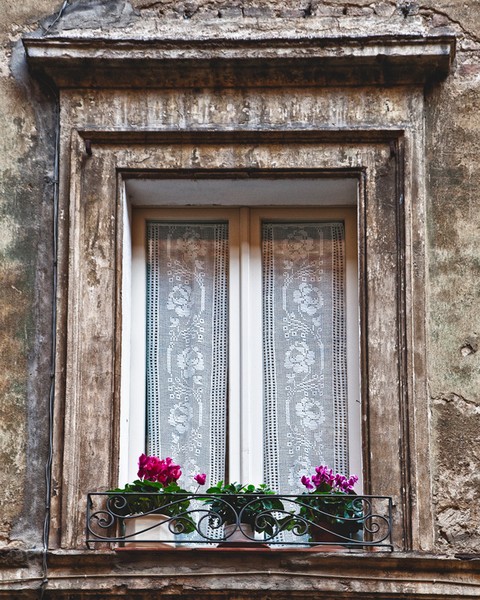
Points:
90	306
227	574
97	62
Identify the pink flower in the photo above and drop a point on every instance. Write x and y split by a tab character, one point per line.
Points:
325	478
148	467
154	469
307	483
201	478
351	481
323	475
175	473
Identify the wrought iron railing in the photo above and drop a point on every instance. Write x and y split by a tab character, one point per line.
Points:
152	520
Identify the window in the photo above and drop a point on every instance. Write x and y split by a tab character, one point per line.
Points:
243	342
94	409
302	111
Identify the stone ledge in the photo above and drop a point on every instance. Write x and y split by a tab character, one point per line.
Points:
303	62
202	573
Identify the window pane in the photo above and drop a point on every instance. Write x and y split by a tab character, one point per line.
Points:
304	341
187	316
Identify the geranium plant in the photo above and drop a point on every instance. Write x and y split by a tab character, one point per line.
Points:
237	503
330	499
157	478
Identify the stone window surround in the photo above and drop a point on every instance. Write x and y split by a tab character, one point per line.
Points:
384	153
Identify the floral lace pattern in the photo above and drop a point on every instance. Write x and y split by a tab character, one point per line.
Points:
305	350
180	300
305	399
187	313
299	358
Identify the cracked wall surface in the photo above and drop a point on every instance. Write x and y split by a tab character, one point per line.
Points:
454	295
26	163
27	118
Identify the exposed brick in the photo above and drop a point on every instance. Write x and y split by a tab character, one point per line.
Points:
323	10
208	13
440	20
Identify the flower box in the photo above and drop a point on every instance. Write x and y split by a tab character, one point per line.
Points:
151	531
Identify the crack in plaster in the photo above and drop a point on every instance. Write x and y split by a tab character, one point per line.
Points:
428	10
460	402
272	9
384	9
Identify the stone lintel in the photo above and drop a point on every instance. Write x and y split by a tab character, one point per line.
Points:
133	63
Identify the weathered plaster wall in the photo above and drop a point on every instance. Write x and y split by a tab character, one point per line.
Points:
26	150
26	159
453	127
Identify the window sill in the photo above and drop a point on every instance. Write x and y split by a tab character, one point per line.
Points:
331	549
291	573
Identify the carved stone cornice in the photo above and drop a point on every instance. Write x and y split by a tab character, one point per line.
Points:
308	61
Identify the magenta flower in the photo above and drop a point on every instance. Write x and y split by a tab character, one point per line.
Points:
351	481
307	483
326	481
201	478
148	467
152	468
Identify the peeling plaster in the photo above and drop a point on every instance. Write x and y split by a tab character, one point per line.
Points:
457	478
25	289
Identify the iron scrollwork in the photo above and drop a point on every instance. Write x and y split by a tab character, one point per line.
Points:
353	522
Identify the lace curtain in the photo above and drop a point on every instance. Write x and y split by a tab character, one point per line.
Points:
187	312
304	337
304	342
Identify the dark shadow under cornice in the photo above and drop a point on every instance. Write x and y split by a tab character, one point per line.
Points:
279	62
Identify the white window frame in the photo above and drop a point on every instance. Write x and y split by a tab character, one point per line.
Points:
245	359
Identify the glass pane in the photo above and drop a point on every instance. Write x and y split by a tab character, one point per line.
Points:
304	341
187	316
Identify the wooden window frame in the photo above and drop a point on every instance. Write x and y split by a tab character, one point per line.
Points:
245	407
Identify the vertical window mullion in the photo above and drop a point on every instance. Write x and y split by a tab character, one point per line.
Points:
234	371
136	400
252	348
353	345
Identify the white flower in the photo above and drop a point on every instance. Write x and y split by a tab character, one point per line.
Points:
180	417
190	360
298	245
311	414
299	357
191	245
180	300
301	466
308	298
